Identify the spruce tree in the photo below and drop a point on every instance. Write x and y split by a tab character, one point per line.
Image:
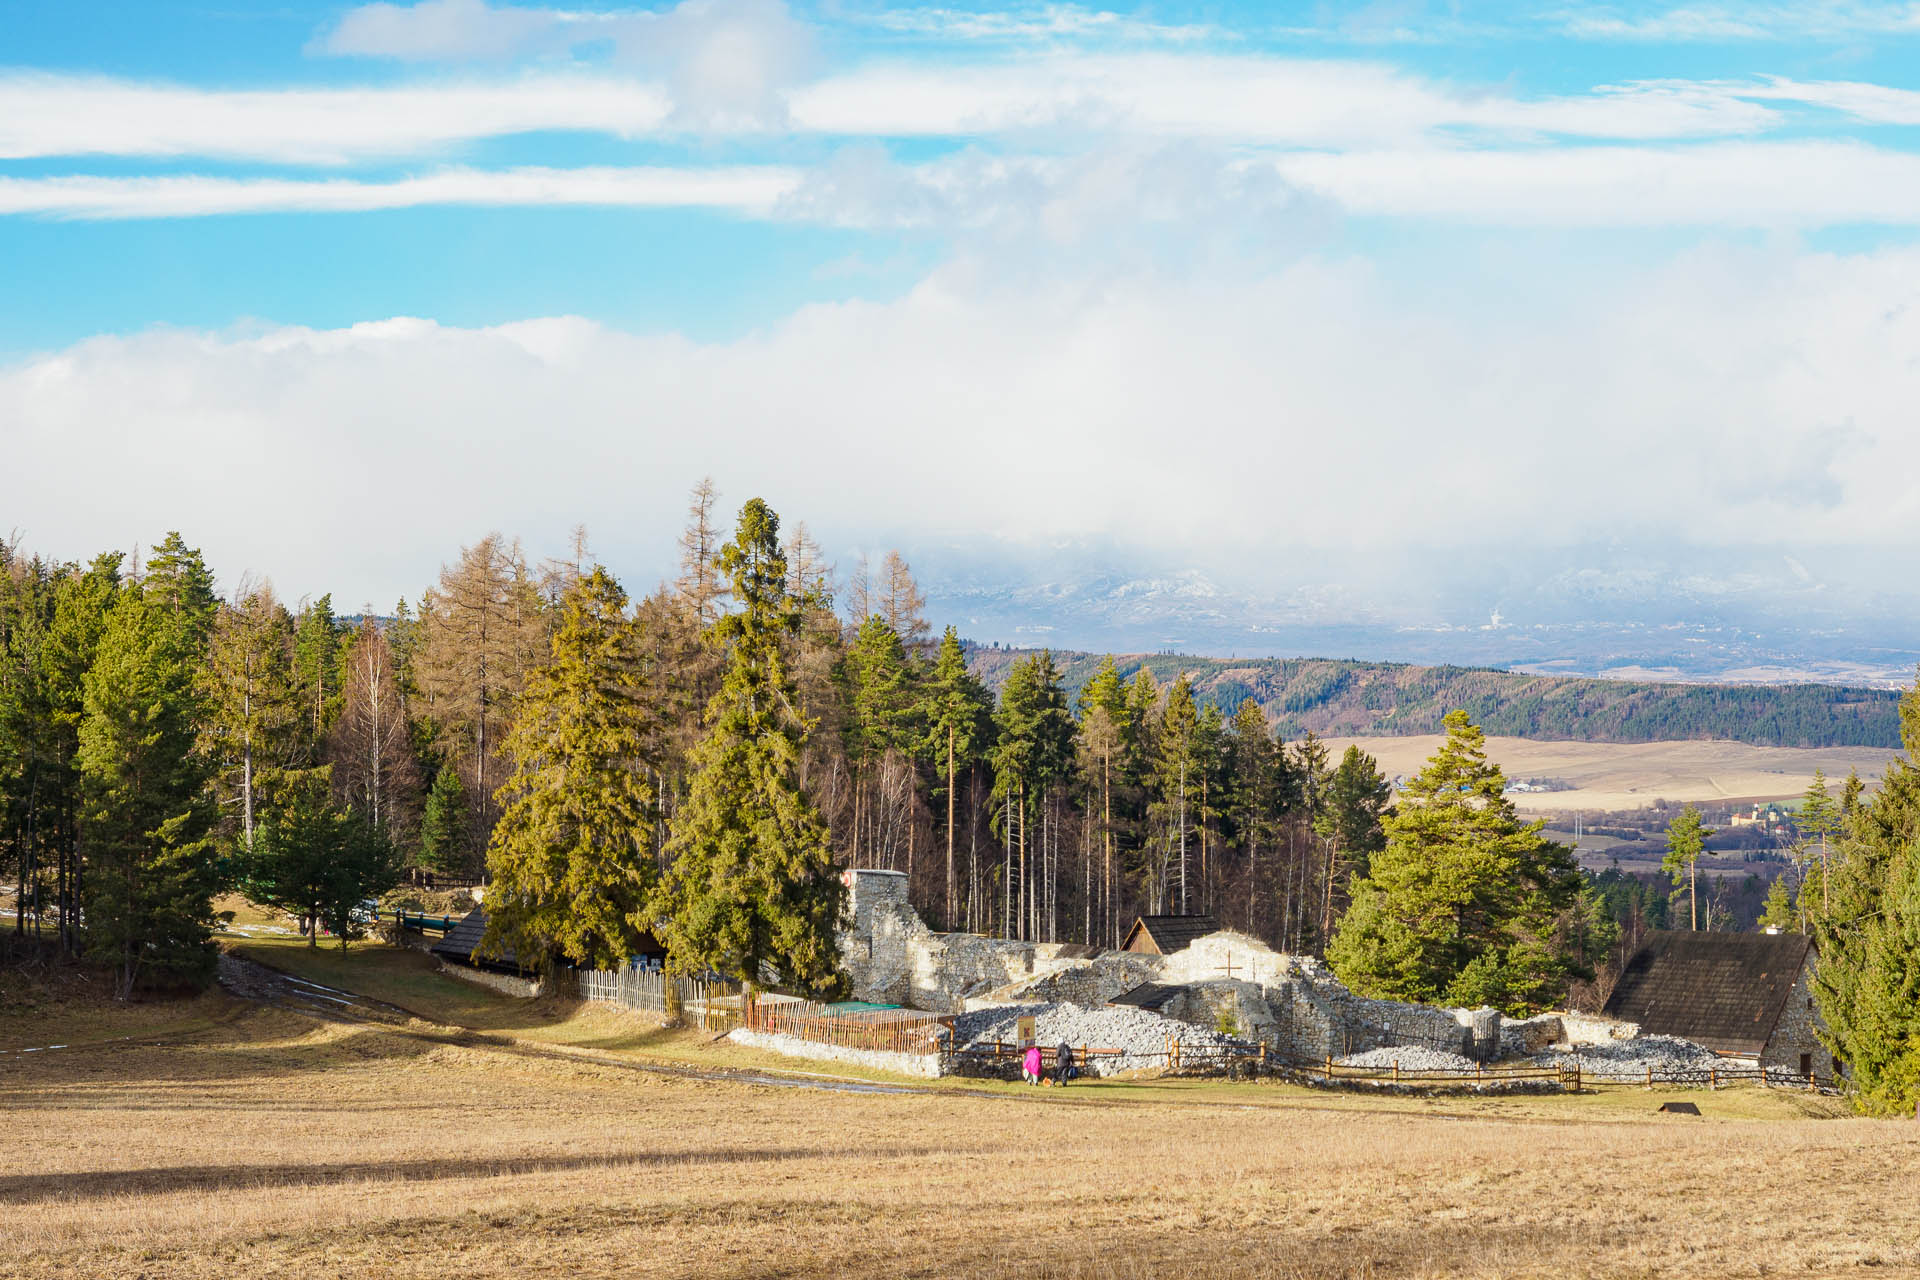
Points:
147	818
1464	904
751	891
250	729
445	824
572	855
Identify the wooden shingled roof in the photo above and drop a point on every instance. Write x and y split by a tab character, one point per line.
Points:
459	942
1723	990
1164	935
1148	995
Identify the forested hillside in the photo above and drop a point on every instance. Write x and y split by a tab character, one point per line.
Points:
1336	698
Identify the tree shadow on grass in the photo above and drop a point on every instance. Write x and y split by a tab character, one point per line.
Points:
209	1178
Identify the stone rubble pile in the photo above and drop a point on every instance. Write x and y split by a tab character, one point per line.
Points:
1140	1036
1410	1058
1629	1059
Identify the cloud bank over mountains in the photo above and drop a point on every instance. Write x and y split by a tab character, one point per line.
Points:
1210	316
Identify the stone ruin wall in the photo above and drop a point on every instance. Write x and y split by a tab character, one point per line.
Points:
1293	1003
1797	1031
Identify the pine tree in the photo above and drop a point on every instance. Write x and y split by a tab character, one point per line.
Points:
147	821
1463	903
879	723
1686	841
446	824
316	660
1103	734
572	854
957	714
1818	819
1176	774
751	891
251	729
318	861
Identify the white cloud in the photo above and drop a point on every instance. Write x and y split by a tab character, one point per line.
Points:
1821	19
728	63
1038	22
58	115
1771	184
732	65
441	30
1732	398
1158	198
1271	100
746	190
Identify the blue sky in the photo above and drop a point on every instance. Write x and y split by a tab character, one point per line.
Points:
1226	287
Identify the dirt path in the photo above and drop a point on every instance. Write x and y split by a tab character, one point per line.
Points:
250	980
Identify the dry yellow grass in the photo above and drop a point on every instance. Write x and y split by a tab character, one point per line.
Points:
267	1143
1616	776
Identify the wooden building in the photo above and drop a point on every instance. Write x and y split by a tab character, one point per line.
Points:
1164	935
1745	995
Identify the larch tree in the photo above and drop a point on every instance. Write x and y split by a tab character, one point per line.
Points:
1103	744
371	746
750	891
572	855
700	584
480	633
903	604
1464	904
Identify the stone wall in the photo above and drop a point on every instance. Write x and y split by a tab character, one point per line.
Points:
924	1065
1796	1031
506	983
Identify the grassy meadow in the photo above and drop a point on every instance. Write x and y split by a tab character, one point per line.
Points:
490	1137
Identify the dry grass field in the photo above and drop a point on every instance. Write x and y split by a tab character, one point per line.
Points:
226	1137
1614	776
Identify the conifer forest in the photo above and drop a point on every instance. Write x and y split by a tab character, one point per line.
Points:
538	726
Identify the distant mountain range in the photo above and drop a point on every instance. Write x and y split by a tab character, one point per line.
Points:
1336	698
1733	620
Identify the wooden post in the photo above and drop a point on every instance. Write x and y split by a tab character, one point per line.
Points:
1396	1071
1328	1071
1713	1078
1649	1075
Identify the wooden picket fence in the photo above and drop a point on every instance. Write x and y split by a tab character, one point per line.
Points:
711	1003
889	1030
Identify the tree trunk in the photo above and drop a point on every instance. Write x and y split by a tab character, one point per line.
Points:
950	915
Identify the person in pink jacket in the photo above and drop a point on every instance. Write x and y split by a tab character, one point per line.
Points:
1030	1064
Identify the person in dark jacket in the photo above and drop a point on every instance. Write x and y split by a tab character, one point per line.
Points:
1068	1069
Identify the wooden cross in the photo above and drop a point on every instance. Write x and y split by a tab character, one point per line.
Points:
1227	968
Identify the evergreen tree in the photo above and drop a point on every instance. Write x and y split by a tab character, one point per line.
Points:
751	891
572	854
1818	820
1176	781
1464	903
318	861
1686	841
1778	913
316	660
879	725
251	729
1103	740
147	821
179	584
1355	801
1034	734
957	714
446	824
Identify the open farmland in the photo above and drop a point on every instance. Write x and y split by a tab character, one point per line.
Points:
1614	776
250	1139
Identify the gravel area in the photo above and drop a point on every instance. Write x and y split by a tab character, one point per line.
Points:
1139	1035
1410	1057
1631	1058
